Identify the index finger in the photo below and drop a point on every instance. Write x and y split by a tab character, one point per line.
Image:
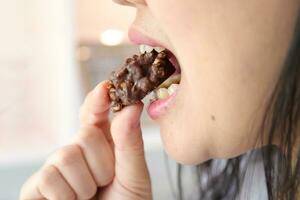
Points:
95	109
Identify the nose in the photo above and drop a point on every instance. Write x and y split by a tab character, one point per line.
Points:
130	2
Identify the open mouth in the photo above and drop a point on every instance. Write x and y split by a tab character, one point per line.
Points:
169	86
162	97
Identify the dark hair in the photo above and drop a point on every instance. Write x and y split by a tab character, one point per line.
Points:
281	163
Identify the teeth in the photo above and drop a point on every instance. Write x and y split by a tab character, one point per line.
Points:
172	89
159	49
162	93
145	48
153	96
148	49
142	48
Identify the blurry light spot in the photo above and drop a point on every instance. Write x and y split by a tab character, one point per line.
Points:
83	53
111	37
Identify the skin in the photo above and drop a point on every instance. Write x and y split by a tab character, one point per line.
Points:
110	157
230	52
228	70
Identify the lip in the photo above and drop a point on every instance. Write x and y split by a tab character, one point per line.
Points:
158	107
137	37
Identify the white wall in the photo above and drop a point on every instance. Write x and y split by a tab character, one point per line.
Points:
39	84
96	16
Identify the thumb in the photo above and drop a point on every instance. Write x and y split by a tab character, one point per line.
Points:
129	149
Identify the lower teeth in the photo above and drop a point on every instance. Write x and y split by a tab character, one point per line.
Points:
162	93
172	89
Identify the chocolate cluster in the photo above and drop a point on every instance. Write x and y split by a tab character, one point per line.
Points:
139	76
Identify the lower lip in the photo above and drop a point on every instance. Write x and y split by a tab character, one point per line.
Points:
159	107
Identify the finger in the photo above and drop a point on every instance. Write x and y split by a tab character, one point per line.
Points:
71	164
97	153
48	183
53	186
30	189
95	109
129	151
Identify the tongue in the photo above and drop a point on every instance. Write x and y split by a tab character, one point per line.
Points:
175	63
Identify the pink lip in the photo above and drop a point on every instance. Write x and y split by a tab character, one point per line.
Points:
160	106
138	38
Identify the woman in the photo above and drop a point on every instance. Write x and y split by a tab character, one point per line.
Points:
239	90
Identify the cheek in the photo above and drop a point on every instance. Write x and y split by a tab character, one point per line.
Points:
185	140
203	125
176	17
230	67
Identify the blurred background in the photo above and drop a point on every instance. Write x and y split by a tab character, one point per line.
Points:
52	53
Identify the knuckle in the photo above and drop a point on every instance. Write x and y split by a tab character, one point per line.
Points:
64	196
109	174
87	117
105	175
89	134
107	179
68	155
89	193
48	176
67	196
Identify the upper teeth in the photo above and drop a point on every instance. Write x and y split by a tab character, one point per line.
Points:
145	48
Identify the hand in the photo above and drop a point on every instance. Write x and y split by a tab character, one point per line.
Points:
105	161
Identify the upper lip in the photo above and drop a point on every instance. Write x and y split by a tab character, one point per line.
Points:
137	37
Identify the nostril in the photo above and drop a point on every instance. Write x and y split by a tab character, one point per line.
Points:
123	2
130	2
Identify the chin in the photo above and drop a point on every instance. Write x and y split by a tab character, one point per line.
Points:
182	148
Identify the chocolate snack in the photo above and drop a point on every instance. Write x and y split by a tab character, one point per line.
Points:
140	75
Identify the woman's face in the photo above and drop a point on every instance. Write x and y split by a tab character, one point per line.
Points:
230	54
